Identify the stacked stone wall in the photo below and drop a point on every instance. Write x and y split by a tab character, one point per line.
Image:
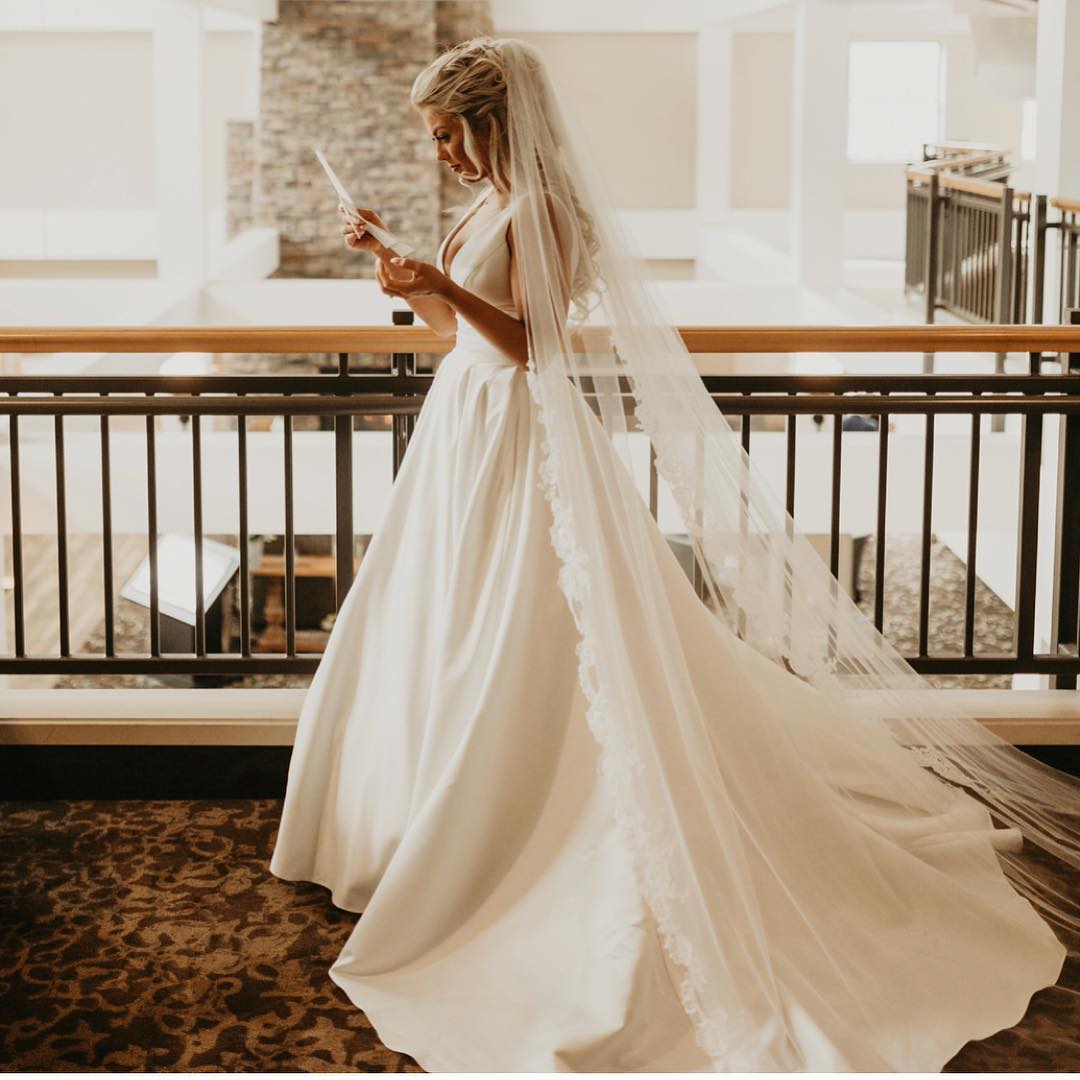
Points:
337	74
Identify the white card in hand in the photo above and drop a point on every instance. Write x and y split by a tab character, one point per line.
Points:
398	247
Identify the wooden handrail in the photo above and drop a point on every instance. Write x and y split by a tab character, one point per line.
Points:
965	146
409	339
990	189
1070	206
242	339
926	168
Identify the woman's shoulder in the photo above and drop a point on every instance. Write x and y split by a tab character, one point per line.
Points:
547	210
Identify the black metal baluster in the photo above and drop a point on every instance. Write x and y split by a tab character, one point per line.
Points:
343	492
61	535
834	516
927	522
789	478
106	536
16	535
290	553
972	536
882	507
197	526
959	248
789	505
1028	537
1038	260
152	532
985	267
245	570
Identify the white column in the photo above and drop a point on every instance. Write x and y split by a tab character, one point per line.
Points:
819	152
1057	173
1057	113
178	136
714	148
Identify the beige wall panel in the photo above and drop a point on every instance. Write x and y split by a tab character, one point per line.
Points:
636	105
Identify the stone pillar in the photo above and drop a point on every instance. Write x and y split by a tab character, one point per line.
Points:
819	158
239	176
337	73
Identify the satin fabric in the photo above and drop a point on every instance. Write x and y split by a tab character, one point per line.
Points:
444	783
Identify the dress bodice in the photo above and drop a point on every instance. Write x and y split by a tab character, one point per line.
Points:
481	264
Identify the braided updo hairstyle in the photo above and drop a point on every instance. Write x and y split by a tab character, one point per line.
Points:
469	81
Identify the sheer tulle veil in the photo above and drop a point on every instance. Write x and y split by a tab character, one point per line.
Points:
615	366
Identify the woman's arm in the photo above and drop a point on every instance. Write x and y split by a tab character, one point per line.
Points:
434	310
437	313
506	333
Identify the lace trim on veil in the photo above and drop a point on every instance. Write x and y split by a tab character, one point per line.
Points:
717	1032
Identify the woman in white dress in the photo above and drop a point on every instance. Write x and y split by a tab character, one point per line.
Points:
593	823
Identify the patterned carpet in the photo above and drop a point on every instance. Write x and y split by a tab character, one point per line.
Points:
149	936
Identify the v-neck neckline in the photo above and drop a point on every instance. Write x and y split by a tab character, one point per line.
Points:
461	225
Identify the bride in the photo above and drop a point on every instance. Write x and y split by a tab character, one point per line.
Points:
592	822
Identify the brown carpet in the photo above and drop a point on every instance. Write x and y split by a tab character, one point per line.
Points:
149	936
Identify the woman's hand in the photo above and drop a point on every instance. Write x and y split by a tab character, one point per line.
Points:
354	231
410	279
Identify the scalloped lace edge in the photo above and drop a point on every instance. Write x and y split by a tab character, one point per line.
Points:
717	1030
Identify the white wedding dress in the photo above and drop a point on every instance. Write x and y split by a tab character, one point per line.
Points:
444	783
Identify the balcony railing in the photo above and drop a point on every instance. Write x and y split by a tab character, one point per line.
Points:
763	406
1066	222
982	250
971	239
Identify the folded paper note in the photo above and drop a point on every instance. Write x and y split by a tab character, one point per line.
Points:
387	239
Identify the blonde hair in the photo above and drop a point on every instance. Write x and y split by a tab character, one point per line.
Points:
469	80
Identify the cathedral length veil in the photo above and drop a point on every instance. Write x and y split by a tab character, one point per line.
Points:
672	768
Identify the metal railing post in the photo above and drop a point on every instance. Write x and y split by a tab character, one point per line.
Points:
401	364
1003	300
1038	258
930	272
343	494
1065	612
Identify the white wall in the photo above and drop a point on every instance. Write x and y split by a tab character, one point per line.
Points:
231	92
761	126
643	139
79	140
82	134
761	163
77	121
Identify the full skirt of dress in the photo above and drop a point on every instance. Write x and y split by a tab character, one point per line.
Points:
445	784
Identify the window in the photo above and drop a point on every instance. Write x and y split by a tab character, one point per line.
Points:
895	99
